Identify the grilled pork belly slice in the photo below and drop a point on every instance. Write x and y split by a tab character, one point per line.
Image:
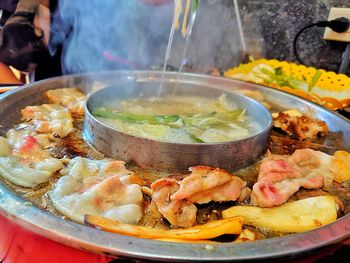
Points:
29	145
30	149
98	187
16	135
299	126
26	172
206	184
175	199
281	176
201	179
13	170
49	118
181	213
72	98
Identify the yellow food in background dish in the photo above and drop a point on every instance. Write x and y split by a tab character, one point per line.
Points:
326	88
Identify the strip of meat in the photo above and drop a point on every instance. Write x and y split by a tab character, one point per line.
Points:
30	166
72	98
49	118
315	163
301	127
207	184
229	191
276	170
281	176
268	194
178	212
201	179
99	187
29	148
176	198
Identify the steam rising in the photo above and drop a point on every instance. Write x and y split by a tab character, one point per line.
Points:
115	34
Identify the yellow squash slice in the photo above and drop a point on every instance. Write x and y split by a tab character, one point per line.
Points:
341	166
232	225
297	216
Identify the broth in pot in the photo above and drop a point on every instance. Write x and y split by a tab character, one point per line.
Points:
180	119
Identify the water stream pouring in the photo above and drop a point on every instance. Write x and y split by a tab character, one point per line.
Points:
186	30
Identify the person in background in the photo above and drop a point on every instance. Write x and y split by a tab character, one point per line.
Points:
7	7
25	38
23	41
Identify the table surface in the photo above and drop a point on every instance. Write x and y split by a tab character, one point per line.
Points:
341	255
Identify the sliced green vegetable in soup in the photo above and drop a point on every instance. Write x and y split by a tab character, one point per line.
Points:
179	119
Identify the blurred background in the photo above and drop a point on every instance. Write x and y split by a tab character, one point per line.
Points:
133	34
225	33
270	27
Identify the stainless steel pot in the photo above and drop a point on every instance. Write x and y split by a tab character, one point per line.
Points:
33	219
171	156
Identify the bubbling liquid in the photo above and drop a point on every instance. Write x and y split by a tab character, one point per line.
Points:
180	119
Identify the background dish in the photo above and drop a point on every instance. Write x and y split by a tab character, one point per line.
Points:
326	88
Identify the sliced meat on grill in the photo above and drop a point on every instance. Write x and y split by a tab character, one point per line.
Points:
201	179
301	127
98	187
72	98
49	118
281	176
206	184
180	213
30	167
176	198
29	148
